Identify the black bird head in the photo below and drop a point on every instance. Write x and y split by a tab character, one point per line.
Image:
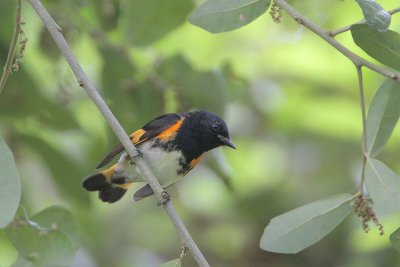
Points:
213	131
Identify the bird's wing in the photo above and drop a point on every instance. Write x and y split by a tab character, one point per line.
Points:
162	127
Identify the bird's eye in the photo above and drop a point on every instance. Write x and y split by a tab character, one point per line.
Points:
216	126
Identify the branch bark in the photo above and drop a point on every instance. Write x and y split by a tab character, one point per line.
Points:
357	60
87	85
11	51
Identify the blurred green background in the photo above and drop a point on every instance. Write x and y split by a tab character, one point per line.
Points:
290	100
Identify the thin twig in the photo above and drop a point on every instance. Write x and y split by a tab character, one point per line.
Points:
11	51
364	125
357	60
90	89
333	33
394	11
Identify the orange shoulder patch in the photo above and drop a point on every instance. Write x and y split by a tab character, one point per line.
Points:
170	132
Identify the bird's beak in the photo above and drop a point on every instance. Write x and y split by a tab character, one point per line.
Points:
226	141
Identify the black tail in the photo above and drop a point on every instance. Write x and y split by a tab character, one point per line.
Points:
108	192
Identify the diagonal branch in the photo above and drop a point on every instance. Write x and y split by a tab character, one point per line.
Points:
87	85
11	52
357	60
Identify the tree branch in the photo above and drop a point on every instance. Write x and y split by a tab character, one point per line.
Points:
11	51
333	33
357	60
90	89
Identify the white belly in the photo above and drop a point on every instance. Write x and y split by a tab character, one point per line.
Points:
164	165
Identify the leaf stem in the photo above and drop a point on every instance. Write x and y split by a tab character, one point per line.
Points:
356	59
333	33
364	125
362	180
11	51
363	108
119	132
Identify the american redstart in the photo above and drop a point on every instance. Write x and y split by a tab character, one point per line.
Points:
171	146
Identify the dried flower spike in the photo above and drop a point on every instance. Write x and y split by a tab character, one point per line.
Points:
23	41
364	210
275	12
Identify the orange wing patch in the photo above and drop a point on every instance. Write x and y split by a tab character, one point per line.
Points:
135	137
194	162
170	133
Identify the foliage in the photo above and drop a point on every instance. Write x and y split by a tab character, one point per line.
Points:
226	15
297	229
154	15
382	116
302	227
395	239
377	17
293	113
383	185
10	189
172	263
383	46
49	238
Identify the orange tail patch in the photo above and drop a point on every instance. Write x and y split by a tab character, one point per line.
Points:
108	191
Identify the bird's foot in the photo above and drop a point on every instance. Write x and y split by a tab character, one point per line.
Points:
165	198
138	154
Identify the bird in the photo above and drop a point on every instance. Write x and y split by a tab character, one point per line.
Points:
171	145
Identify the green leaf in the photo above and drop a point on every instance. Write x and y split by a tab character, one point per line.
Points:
173	263
66	173
395	239
130	101
22	262
145	21
383	186
226	15
59	218
36	103
376	17
40	245
8	24
10	187
383	116
300	228
198	89
383	46
47	44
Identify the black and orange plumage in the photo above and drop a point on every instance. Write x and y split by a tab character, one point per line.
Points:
171	145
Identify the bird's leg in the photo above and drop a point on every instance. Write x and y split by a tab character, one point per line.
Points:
183	251
138	154
165	198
